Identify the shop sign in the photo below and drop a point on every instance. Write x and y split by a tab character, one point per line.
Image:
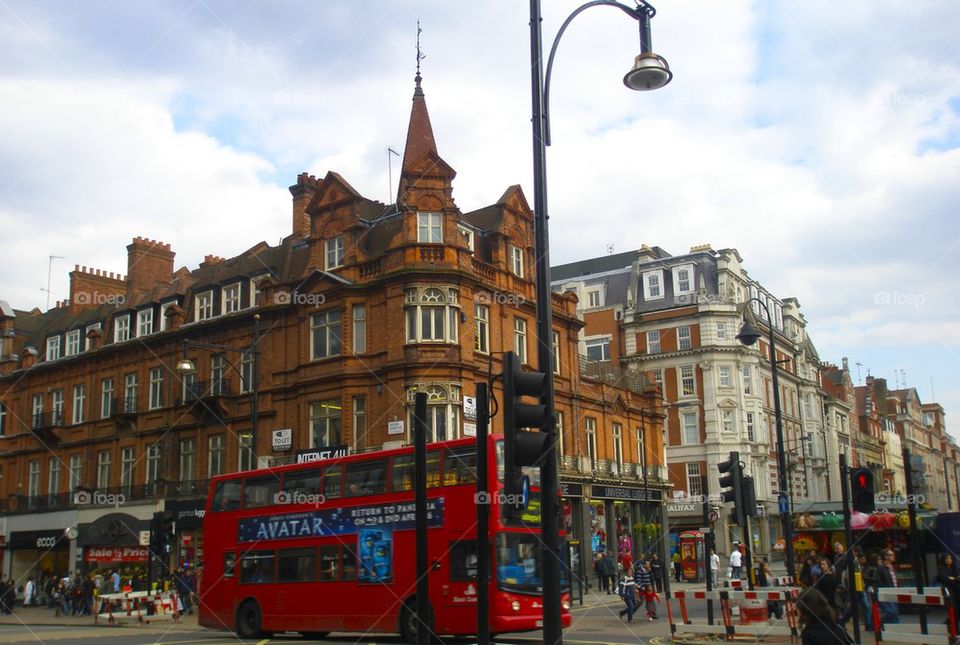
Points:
115	554
283	439
51	539
683	509
320	454
622	492
570	489
188	514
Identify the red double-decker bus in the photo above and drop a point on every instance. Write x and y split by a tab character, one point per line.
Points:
329	546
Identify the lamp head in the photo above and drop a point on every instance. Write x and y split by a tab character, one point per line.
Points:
186	366
650	72
748	334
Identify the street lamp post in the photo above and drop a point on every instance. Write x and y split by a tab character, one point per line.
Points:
186	366
749	336
648	72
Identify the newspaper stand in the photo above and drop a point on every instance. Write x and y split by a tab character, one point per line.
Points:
119	608
904	633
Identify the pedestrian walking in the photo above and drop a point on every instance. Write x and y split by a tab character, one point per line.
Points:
652	600
736	563
598	569
887	577
677	569
28	591
818	622
715	568
608	567
629	595
656	572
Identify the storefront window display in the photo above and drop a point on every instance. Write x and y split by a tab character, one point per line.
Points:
621	511
598	526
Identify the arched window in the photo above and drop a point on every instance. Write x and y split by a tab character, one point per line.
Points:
443	410
432	315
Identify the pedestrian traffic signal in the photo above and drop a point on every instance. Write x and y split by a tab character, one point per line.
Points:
521	447
732	479
861	490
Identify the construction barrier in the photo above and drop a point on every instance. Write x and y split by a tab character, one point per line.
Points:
726	627
900	633
142	607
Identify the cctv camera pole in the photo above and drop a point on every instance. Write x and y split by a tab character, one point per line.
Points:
914	547
420	510
483	519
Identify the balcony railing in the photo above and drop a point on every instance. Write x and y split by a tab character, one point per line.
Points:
612	374
52	419
122	406
116	496
199	390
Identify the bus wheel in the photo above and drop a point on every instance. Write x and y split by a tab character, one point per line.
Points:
248	620
410	624
315	635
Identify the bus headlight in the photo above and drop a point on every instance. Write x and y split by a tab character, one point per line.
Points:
515	605
566	605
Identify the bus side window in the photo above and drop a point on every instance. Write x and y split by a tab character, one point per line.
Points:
229	563
256	566
402	473
331	482
433	468
261	491
329	563
463	561
226	496
302	483
297	565
366	477
349	563
460	467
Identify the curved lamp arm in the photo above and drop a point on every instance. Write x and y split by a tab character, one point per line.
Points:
642	13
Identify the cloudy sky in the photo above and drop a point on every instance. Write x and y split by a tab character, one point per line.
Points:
818	138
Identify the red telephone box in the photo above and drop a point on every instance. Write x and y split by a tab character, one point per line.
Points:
692	558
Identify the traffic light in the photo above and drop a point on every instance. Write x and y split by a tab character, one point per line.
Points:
861	490
733	479
749	496
521	447
168	527
156	540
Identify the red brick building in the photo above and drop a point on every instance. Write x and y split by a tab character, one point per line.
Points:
360	307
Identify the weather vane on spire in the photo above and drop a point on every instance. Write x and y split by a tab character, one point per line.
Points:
420	54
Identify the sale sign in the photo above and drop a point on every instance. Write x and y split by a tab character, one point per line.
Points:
115	554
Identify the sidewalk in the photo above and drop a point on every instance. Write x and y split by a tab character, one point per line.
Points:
41	616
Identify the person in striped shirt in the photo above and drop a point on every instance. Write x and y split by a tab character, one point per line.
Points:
628	594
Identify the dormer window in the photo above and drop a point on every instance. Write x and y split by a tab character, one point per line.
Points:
53	348
203	306
86	339
163	314
653	285
682	280
231	298
334	253
430	228
121	328
467	236
516	260
73	342
145	322
594	298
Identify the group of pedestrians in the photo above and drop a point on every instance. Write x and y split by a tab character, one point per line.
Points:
637	586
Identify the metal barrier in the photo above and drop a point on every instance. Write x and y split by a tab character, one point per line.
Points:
931	597
142	607
727	628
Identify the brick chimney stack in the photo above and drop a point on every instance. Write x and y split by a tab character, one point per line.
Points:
148	263
90	288
303	192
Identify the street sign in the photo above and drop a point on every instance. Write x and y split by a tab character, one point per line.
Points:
713	515
144	538
783	502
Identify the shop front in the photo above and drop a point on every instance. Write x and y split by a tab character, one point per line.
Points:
36	553
188	524
571	523
112	542
625	519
